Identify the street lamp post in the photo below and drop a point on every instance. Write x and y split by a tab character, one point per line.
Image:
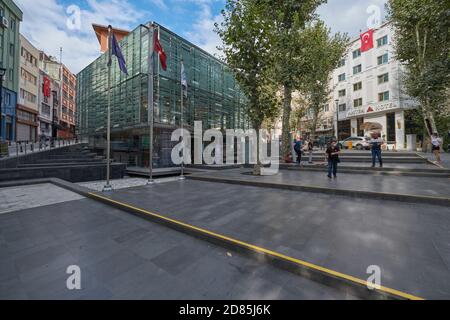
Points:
337	119
2	74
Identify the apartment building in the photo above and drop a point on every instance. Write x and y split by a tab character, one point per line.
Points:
67	87
10	18
367	88
27	122
48	106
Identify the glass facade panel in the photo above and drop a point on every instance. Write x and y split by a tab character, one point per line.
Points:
213	96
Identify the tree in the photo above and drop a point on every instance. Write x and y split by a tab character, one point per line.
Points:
289	19
422	44
321	58
247	45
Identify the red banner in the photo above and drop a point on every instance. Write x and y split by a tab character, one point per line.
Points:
46	88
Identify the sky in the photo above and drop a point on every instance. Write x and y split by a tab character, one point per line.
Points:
51	24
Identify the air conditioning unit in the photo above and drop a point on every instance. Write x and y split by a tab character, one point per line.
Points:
4	22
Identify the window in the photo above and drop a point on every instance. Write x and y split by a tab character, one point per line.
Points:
45	109
27	96
25	75
341	93
383	78
383	59
382	41
383	96
357	103
13	25
341	63
341	77
356	53
342	107
326	108
11	49
357	86
357	69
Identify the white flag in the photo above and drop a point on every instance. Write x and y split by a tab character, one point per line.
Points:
183	79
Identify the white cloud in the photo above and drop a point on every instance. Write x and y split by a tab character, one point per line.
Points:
44	24
160	4
349	16
202	31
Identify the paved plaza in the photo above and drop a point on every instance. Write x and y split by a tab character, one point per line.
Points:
124	256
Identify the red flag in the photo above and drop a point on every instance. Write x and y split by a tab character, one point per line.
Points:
157	47
46	90
367	40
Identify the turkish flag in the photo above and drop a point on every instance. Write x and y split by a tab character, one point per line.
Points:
367	40
46	88
157	47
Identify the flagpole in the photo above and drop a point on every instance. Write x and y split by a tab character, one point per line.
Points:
108	186
182	126
150	101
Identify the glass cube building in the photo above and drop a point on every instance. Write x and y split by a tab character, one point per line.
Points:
213	97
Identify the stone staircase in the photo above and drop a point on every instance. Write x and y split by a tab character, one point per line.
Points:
74	163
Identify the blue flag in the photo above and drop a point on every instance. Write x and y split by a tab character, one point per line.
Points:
115	51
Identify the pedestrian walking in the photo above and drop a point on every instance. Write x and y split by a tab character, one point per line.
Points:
298	144
375	146
310	147
436	144
332	155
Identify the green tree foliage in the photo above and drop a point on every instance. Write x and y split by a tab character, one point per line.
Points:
289	19
320	59
422	43
248	49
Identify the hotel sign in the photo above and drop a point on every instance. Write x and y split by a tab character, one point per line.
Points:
371	109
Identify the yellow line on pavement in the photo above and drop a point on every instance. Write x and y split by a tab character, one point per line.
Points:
266	251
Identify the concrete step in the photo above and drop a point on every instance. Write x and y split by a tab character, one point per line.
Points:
386	159
320	166
69	160
74	156
368	154
59	164
379	171
73	173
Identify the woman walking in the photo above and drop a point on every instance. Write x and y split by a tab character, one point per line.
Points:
436	143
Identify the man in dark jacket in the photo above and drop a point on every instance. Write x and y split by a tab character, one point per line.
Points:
298	145
332	154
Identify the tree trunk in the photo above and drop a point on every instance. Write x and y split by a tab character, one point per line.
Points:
314	124
257	167
427	114
286	148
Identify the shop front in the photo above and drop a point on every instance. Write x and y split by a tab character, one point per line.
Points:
388	117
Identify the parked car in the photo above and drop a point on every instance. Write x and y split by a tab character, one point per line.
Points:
359	143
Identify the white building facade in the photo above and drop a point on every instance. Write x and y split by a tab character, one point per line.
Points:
367	87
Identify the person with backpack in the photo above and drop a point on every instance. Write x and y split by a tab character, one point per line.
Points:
332	154
298	144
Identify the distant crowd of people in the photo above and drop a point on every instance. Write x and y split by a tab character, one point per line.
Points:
332	151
